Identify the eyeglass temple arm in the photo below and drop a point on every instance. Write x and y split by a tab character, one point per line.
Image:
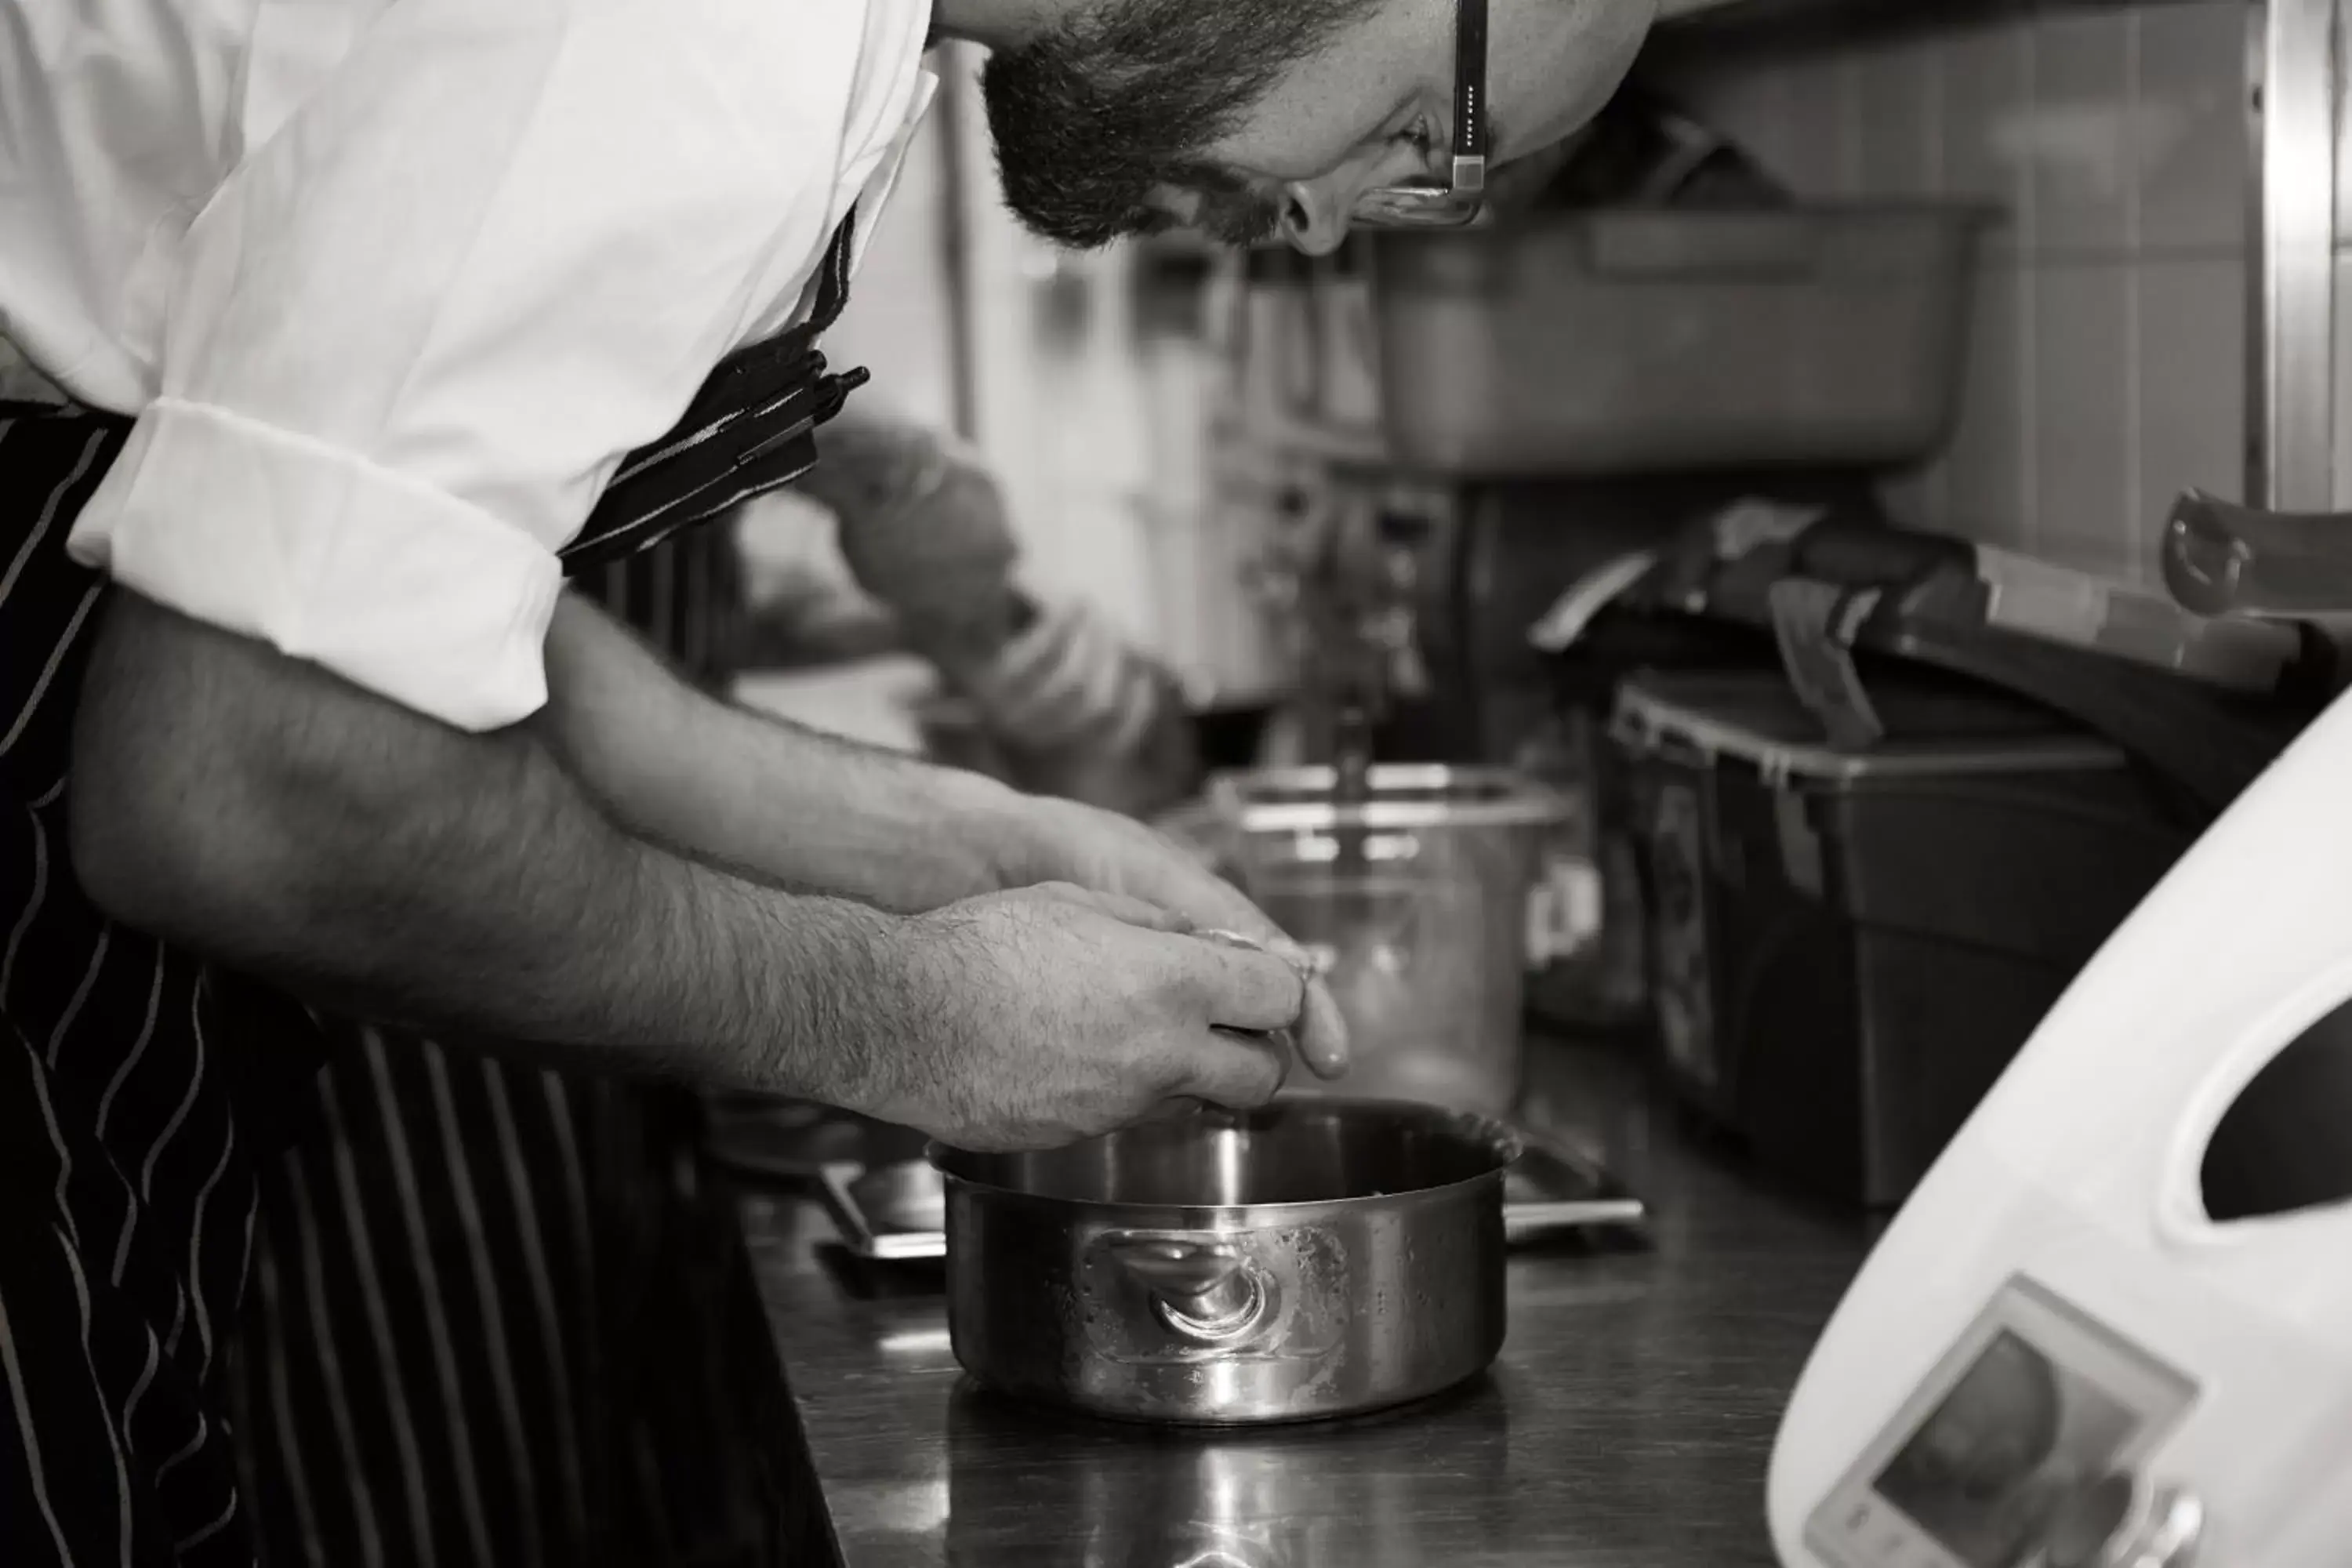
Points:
1470	94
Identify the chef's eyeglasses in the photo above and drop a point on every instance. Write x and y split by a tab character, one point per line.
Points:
1457	203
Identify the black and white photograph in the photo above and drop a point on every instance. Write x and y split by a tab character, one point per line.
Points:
1188	784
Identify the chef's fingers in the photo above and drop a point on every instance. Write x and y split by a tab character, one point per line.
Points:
1322	1032
1242	988
1119	906
1237	1072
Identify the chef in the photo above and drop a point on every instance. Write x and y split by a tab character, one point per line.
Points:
381	318
520	1267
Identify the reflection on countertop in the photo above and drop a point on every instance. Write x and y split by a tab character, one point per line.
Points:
1627	1423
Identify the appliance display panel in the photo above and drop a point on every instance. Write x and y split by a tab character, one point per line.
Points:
2036	1402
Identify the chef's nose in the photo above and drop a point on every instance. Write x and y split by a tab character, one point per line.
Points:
1313	220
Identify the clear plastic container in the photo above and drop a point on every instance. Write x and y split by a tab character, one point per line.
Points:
1416	900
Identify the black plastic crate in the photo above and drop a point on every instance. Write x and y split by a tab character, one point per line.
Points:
1846	948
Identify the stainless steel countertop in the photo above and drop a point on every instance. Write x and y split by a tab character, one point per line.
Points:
1627	1423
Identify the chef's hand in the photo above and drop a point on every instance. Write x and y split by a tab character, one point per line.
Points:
1034	1018
1064	842
1068	681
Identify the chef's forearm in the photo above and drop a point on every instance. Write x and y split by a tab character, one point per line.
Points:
261	813
764	799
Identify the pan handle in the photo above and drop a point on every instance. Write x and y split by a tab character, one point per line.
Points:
2226	559
1205	1291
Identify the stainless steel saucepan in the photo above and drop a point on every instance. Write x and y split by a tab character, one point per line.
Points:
1317	1258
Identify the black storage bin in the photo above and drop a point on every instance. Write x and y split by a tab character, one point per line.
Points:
1847	948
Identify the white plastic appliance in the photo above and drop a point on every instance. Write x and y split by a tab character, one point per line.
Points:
2054	1358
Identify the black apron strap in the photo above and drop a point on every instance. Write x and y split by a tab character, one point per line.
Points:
751	429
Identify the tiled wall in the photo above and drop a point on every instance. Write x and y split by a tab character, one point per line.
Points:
2107	367
1056	400
1063	409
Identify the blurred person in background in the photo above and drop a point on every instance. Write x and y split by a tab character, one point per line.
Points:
921	557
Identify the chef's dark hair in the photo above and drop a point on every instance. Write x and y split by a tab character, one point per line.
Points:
1120	101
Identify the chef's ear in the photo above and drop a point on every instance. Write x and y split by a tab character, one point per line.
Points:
1314	218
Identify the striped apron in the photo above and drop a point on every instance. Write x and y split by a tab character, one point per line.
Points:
431	1217
482	1326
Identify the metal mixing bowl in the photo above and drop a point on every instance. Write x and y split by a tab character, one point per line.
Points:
1316	1259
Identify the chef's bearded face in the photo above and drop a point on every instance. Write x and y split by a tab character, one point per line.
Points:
1246	119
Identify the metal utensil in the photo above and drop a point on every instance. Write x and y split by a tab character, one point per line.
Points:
2225	560
894	1213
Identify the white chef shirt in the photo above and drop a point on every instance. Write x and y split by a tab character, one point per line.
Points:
392	286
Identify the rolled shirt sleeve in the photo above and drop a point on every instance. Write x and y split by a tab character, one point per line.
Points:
498	248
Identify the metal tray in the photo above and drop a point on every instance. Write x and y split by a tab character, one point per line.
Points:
896	1212
893	1213
1551	1190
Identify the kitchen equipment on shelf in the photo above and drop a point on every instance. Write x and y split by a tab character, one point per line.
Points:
2224	560
1485	560
2061	604
1637	339
1838	588
1416	597
1312	1259
1416	899
2080	1339
1504	692
1847	946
